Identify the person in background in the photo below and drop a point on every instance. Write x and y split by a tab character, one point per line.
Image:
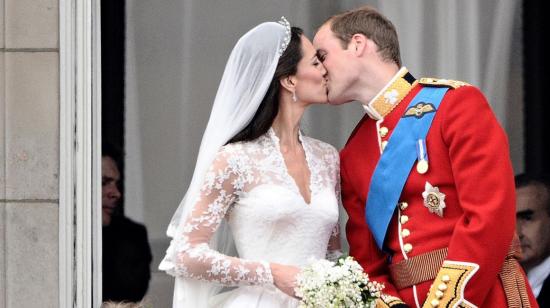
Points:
533	224
126	252
110	304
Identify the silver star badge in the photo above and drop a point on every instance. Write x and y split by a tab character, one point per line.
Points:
434	200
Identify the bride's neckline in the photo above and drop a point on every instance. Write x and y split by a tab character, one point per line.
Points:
273	136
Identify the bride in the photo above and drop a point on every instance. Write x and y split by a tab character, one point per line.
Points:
263	200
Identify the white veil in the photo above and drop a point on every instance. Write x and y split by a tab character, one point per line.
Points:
246	79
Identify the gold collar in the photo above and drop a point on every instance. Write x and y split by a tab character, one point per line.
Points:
391	95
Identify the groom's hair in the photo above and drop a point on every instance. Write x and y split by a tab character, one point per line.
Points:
367	21
269	107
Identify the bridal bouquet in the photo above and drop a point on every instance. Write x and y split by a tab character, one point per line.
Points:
336	284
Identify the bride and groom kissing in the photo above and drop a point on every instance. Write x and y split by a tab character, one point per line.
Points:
425	178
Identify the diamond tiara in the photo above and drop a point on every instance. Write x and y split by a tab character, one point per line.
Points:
286	39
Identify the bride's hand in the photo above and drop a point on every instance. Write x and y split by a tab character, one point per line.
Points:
284	277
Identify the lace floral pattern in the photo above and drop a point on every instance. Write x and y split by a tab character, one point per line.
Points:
232	190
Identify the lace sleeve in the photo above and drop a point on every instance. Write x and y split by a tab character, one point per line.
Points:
195	259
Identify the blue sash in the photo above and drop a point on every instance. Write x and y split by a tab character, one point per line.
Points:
398	158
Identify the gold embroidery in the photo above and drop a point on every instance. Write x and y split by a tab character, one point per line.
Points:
386	300
448	287
419	110
443	82
394	93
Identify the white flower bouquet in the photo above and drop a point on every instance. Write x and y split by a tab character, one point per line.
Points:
338	284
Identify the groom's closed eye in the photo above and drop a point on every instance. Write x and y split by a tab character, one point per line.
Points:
321	55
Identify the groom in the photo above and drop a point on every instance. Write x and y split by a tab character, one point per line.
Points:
426	177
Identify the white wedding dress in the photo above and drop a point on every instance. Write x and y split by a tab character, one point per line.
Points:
249	186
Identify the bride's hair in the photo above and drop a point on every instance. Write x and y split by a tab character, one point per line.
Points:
269	107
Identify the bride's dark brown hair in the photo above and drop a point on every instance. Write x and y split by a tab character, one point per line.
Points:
269	107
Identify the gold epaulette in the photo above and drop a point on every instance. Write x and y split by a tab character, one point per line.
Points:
442	82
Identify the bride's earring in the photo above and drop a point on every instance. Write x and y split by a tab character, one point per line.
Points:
294	98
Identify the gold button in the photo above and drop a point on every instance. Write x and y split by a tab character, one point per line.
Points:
405	232
403	206
404	219
384	144
445	278
442	287
383	131
439	294
434	303
407	247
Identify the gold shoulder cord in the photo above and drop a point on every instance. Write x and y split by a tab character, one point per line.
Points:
435	82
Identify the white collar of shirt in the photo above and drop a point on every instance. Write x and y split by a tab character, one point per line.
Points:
538	274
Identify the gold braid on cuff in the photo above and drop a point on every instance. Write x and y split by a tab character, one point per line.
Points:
447	289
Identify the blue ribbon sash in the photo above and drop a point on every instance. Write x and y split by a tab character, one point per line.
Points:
397	160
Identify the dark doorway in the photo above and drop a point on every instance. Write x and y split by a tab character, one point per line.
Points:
113	30
126	257
536	78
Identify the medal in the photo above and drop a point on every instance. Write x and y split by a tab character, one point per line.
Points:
422	165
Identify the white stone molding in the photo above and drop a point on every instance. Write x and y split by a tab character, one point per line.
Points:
80	154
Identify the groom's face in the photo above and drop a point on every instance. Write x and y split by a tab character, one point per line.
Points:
338	63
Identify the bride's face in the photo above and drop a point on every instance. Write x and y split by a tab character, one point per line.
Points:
311	85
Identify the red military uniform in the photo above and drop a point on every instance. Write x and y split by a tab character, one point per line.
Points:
471	177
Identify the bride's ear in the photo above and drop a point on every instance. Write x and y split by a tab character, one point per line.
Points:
289	83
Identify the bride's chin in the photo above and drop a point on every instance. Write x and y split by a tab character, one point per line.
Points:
325	99
322	99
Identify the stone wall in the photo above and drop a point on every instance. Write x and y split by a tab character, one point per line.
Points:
29	153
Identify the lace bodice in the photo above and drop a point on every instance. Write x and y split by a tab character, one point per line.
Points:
249	186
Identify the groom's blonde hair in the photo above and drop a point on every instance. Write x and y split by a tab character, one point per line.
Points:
367	21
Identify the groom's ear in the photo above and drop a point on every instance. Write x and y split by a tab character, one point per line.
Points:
288	82
358	44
